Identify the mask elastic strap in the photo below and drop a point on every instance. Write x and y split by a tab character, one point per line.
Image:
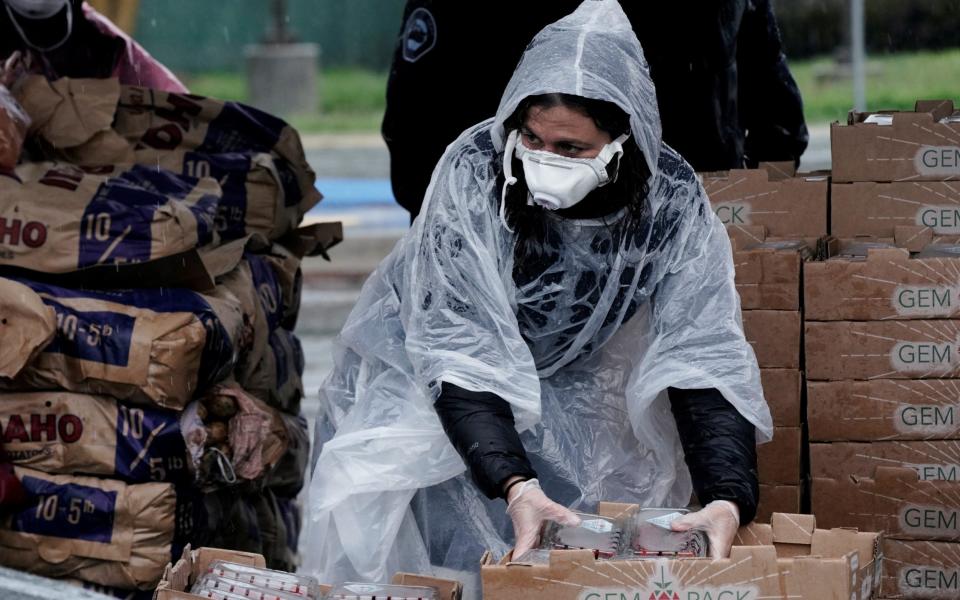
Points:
225	466
613	150
508	178
33	46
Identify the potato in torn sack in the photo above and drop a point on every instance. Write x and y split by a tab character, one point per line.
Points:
255	441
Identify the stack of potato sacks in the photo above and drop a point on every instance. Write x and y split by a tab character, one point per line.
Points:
775	219
149	376
883	344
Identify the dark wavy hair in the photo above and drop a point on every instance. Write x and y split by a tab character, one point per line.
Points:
629	191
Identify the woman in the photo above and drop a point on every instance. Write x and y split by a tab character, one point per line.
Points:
68	38
566	280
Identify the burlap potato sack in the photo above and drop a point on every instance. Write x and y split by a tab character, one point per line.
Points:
98	530
59	218
158	346
64	432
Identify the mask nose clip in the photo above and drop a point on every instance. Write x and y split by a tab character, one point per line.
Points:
613	150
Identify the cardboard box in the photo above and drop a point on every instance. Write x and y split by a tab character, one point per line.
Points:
920	570
883	409
775	337
837	350
881	208
768	274
932	460
449	589
790	558
784	206
888	284
179	577
913	239
894	501
914	145
778	499
778	461
783	388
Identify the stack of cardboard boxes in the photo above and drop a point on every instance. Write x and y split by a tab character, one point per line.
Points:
774	219
893	174
882	343
882	340
791	558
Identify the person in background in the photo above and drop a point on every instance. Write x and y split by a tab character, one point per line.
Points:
68	38
727	99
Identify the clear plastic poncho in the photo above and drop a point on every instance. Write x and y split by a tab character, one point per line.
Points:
584	351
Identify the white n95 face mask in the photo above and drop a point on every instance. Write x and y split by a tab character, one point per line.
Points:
555	181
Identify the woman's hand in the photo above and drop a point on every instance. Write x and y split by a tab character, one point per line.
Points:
528	507
720	520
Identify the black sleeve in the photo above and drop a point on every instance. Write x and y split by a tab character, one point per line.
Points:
480	426
438	55
447	75
719	445
770	106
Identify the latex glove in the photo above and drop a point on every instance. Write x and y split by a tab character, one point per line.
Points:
528	507
720	520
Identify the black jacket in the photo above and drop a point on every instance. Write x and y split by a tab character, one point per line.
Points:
718	443
725	94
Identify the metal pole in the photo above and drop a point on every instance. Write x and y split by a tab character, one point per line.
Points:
858	54
280	33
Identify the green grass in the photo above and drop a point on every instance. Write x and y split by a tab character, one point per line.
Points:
893	82
352	100
338	122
